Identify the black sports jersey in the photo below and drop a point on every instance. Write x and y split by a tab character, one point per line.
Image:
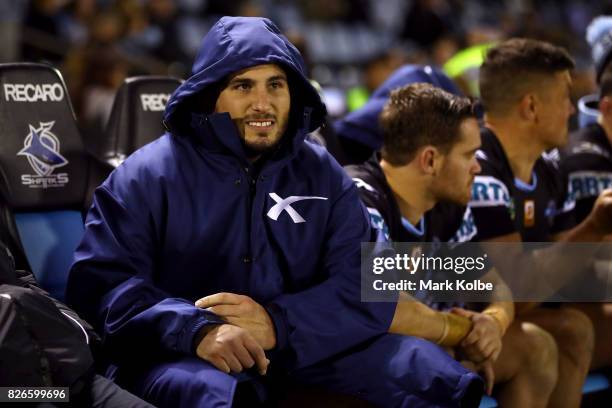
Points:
444	223
502	204
587	163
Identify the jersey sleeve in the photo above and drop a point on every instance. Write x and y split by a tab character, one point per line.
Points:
375	208
565	217
491	203
467	230
588	175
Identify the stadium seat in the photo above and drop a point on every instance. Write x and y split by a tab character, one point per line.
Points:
46	175
587	110
136	117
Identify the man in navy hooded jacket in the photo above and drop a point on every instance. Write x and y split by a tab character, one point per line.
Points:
359	132
231	236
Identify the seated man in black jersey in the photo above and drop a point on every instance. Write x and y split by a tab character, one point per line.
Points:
587	158
587	162
417	191
520	195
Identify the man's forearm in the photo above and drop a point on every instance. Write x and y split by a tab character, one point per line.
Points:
536	275
501	307
573	253
413	318
586	231
502	312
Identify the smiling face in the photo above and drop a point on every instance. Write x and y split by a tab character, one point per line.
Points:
258	101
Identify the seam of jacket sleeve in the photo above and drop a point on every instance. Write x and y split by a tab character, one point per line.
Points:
185	340
280	325
78	324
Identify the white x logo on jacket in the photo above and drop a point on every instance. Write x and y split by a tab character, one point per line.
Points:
284	204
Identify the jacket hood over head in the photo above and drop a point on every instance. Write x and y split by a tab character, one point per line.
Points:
231	45
362	124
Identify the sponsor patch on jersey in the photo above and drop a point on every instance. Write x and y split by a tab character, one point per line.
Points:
551	212
378	222
359	183
488	191
529	213
583	184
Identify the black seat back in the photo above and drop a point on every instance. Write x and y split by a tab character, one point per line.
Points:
44	169
42	158
136	117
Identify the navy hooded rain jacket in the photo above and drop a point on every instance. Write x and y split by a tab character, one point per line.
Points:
182	218
361	125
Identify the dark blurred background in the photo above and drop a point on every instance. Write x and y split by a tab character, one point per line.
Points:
350	46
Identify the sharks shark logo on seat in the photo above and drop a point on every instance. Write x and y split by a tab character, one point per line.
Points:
42	149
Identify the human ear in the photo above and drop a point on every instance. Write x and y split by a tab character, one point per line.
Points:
428	160
528	107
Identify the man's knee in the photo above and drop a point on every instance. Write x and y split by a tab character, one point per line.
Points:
395	370
423	368
574	333
103	393
188	382
538	353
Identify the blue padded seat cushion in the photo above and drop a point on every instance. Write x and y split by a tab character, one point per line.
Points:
49	240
